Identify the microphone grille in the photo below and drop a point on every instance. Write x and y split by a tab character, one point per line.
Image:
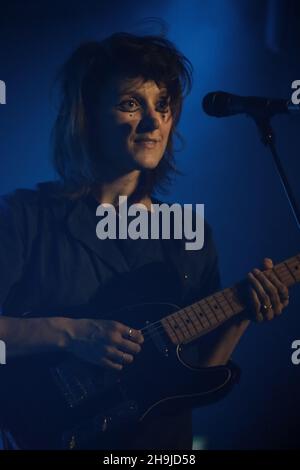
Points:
217	103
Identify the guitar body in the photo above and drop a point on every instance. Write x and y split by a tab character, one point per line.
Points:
56	401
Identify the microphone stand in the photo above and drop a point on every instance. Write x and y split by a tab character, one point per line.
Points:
265	129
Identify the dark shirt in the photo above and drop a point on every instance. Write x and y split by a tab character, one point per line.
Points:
53	263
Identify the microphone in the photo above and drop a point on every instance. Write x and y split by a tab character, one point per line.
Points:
222	104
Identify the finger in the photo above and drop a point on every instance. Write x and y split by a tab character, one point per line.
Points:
270	289
255	305
107	363
119	356
131	333
268	263
282	289
128	346
262	296
134	335
119	331
116	339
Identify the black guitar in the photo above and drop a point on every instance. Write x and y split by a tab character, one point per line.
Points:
56	401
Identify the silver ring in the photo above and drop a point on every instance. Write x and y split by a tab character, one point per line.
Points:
267	307
130	332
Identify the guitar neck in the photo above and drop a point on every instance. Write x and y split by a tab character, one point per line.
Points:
193	321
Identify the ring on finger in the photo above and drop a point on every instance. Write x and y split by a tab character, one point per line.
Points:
267	307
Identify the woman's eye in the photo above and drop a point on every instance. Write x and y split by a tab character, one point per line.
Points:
129	105
163	105
132	105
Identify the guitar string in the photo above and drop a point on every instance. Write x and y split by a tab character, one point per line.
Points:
160	327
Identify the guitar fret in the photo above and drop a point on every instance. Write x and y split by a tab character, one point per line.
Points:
216	309
291	273
180	335
177	327
229	302
200	318
211	312
286	272
294	268
189	322
227	306
233	300
223	303
196	316
202	315
283	274
194	319
207	312
181	324
174	332
169	330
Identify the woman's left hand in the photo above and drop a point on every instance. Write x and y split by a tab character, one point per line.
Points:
268	295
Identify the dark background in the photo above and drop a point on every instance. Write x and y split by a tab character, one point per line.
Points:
248	47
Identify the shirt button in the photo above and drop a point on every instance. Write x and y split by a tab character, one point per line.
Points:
186	276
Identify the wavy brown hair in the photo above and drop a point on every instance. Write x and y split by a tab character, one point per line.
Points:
81	80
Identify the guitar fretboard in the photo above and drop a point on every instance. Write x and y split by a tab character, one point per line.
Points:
203	316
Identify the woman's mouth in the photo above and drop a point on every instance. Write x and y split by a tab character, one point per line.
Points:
146	143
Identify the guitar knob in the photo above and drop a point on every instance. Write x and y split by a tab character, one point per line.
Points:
105	424
72	443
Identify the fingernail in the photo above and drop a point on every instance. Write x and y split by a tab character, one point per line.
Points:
256	271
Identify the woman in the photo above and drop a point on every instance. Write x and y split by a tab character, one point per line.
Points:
120	105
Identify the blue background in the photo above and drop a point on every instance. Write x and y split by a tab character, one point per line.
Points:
248	47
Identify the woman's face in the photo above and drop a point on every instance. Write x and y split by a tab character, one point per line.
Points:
133	125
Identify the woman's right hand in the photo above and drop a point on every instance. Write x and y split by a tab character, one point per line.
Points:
107	343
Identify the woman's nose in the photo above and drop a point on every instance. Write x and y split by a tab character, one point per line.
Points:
148	122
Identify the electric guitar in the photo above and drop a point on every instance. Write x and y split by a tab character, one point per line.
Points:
57	401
